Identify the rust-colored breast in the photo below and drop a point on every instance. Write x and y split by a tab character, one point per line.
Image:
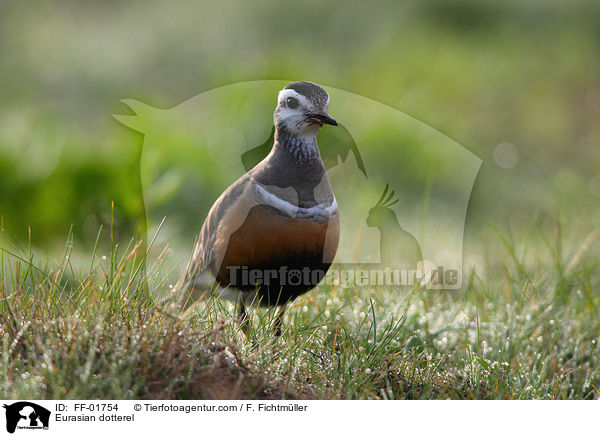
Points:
270	240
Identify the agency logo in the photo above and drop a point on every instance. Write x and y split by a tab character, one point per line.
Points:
24	415
401	188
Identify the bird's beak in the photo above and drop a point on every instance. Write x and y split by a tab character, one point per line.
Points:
324	118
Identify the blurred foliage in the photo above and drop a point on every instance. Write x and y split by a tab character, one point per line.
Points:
483	72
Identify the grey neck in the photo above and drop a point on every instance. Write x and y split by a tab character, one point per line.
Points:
303	148
295	162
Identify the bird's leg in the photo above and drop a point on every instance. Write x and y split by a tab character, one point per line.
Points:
243	317
277	322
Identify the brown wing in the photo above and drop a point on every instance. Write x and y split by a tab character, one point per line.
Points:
203	257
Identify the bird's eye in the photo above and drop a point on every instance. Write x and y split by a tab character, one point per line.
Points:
292	103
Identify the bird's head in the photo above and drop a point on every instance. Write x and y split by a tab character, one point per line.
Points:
382	213
302	109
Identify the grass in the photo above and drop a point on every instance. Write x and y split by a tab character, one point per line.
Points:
526	329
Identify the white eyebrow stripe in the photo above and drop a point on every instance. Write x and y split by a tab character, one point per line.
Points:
285	93
320	210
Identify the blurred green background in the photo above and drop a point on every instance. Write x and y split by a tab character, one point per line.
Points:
515	82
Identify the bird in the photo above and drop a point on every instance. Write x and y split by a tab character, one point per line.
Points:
273	234
397	248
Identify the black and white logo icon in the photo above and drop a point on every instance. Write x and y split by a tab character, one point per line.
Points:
26	415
